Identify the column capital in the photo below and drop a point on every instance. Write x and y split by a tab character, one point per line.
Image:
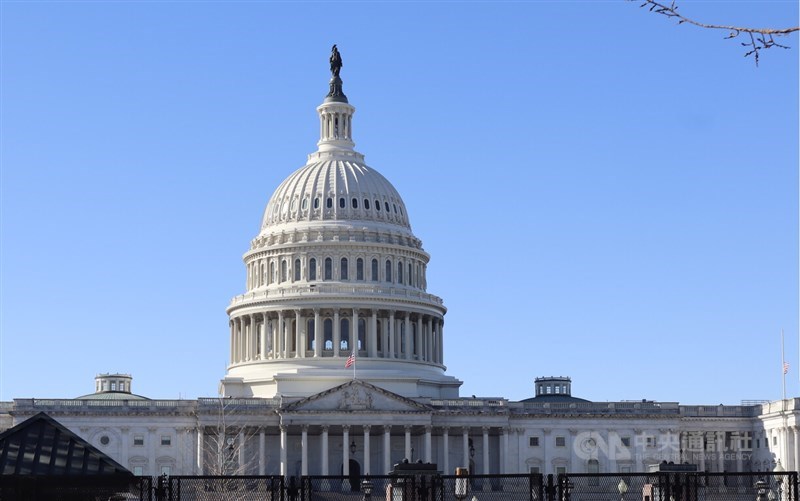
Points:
391	312
407	428
304	428
316	310
428	428
325	428
465	430
284	428
367	428
387	428
346	428
445	429
374	311
485	429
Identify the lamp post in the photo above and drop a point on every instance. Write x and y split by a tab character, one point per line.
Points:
778	470
462	483
366	488
622	487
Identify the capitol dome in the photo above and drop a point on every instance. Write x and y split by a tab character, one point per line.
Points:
335	273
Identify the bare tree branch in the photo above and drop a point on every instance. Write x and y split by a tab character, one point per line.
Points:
759	38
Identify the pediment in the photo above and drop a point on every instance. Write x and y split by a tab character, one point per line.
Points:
356	396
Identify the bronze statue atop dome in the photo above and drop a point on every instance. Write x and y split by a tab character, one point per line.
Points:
336	93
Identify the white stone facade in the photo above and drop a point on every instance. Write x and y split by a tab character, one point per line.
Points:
335	271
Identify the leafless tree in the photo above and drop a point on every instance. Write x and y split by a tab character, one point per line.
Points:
756	39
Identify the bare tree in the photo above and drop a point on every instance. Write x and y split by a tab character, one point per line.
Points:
758	39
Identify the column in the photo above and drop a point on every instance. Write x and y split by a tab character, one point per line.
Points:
446	451
318	341
407	430
465	446
284	448
703	452
429	340
720	449
547	467
325	450
253	339
391	334
407	346
441	340
233	342
428	445
337	336
301	334
737	447
372	343
354	332
485	450
151	450
387	449
199	458
504	453
274	325
419	341
385	335
345	450
304	450
124	438
262	451
279	337
263	334
366	450
241	459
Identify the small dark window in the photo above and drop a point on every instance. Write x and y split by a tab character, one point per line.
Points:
304	205
377	205
316	203
401	210
297	270
366	204
312	269
388	271
399	273
328	269
355	203
343	269
561	442
533	441
329	202
374	270
166	440
138	440
386	204
395	208
359	269
410	276
341	202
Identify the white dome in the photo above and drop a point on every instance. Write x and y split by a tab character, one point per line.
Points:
335	189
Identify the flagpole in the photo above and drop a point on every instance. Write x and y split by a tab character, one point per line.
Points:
783	367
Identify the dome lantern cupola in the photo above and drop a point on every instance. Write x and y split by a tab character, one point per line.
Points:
335	113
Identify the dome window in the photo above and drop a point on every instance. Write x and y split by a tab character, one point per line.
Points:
329	203
284	271
395	208
341	202
386	204
297	270
304	205
366	204
401	210
377	205
410	275
293	205
359	269
343	269
374	270
328	269
316	202
400	272
312	269
355	203
388	271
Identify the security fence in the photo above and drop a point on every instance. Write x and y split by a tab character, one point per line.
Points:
659	486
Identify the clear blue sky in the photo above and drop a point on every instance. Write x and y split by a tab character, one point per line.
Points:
604	194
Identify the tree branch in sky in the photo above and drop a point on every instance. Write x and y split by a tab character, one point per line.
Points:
759	38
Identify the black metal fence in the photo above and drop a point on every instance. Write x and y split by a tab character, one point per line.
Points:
661	486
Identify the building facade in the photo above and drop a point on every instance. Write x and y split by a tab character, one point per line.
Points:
336	277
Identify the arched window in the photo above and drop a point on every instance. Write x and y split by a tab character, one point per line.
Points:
388	271
395	208
362	334
304	205
410	275
378	205
316	202
329	203
387	206
400	273
310	334
344	332
327	327
359	269
343	269
366	204
284	271
341	202
297	270
272	272
328	269
312	269
375	270
355	203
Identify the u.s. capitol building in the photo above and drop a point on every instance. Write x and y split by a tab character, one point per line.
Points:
336	272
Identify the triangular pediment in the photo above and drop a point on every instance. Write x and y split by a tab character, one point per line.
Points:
356	396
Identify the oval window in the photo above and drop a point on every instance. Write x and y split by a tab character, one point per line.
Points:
366	204
341	202
355	203
377	205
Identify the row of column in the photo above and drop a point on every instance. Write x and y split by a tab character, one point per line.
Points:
463	436
335	126
288	334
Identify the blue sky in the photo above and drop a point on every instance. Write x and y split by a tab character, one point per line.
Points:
604	194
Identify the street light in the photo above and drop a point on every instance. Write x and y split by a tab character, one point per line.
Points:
462	483
622	487
366	488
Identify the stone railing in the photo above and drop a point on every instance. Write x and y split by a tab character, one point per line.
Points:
597	408
336	289
720	410
73	405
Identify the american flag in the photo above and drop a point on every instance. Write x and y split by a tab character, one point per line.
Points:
786	367
350	360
